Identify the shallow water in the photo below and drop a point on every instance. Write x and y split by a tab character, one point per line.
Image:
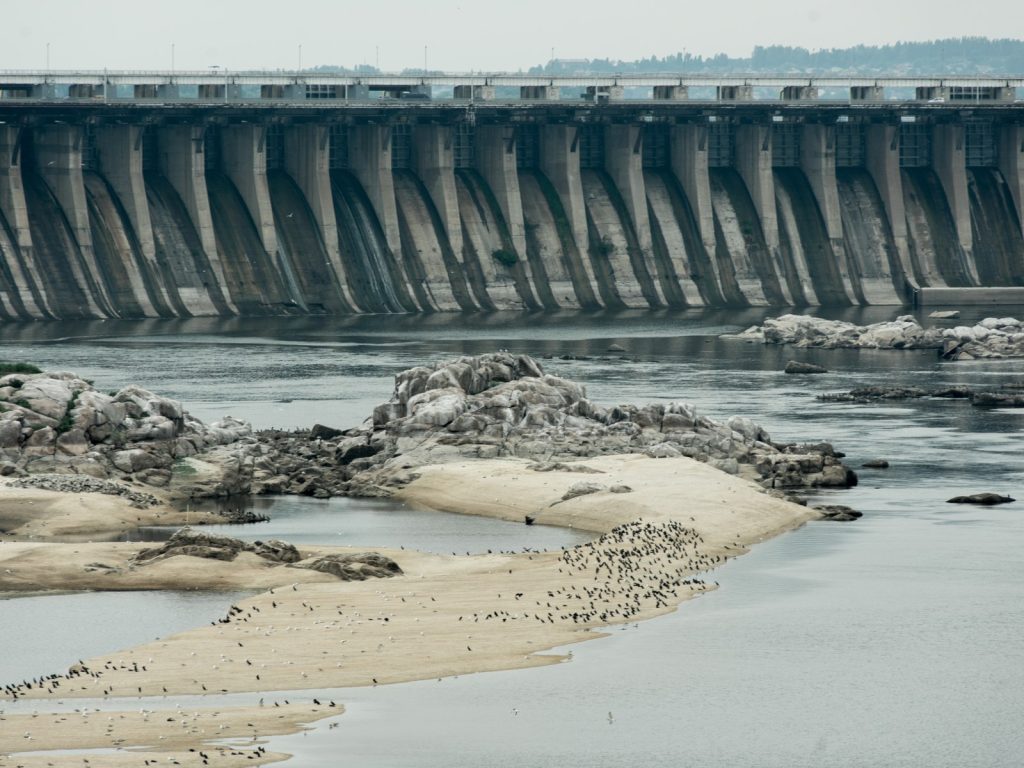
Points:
891	641
351	522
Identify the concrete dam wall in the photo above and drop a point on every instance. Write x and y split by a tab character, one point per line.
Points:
544	208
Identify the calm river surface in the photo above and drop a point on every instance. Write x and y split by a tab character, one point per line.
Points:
891	641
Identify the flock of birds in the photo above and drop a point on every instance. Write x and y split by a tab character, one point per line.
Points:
635	569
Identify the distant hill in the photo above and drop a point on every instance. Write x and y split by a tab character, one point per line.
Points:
963	56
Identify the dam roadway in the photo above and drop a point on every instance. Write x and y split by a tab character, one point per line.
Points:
189	194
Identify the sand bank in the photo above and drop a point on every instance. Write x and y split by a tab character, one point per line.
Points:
450	615
150	736
33	514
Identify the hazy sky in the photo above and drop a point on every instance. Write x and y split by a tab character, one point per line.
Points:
459	35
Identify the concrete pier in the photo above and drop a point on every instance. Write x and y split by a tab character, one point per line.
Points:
15	213
623	161
882	150
244	160
688	154
120	158
369	159
818	162
495	161
560	163
435	165
182	163
307	161
951	167
1011	165
59	155
754	163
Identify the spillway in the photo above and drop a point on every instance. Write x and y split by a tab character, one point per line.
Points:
543	212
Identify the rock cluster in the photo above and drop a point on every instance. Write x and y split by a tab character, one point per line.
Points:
189	542
86	484
193	543
991	338
1007	396
498	405
58	423
356	567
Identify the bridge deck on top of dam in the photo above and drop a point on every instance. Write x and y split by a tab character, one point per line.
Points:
146	195
222	85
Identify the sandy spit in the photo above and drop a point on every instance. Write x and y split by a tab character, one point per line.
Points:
659	524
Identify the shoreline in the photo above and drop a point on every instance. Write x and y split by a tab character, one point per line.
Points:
450	615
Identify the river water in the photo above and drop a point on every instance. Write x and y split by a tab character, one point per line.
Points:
891	641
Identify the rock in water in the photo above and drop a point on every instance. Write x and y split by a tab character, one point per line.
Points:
944	314
838	513
876	464
794	366
993	337
986	499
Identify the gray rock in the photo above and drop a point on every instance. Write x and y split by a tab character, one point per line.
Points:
944	314
581	489
838	513
876	464
320	432
355	567
794	366
189	542
986	499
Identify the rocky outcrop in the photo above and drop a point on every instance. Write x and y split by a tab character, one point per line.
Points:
991	338
1007	396
838	513
356	567
57	423
795	366
192	543
501	404
985	499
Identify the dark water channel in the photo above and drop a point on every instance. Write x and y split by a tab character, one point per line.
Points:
892	641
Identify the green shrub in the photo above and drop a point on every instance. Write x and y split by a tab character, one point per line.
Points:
67	421
6	368
23	403
506	257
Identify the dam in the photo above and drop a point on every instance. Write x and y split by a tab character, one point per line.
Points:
131	195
